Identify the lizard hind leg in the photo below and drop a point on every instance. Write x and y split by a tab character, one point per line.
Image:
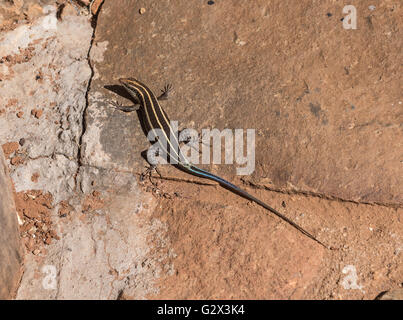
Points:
148	172
150	156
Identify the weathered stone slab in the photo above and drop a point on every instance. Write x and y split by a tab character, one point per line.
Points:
325	101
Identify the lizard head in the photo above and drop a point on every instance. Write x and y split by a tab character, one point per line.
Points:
133	86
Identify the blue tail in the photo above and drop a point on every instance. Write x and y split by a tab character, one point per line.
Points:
228	185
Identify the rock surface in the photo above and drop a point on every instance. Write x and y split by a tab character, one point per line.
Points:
81	227
396	294
326	106
11	253
325	102
328	135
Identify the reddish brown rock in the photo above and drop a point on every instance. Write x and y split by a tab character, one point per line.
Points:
327	119
325	104
9	148
37	113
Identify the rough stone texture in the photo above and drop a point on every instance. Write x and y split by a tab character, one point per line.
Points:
102	250
102	219
328	124
328	140
227	248
396	294
327	119
45	69
11	254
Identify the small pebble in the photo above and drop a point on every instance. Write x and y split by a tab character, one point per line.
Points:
16	161
37	113
371	7
142	10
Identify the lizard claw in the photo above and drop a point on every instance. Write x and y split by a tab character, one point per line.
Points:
165	92
167	88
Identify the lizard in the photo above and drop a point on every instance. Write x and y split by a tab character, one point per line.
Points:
156	118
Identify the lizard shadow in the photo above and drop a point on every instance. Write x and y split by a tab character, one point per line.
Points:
121	91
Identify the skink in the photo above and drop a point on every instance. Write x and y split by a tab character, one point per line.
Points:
156	118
